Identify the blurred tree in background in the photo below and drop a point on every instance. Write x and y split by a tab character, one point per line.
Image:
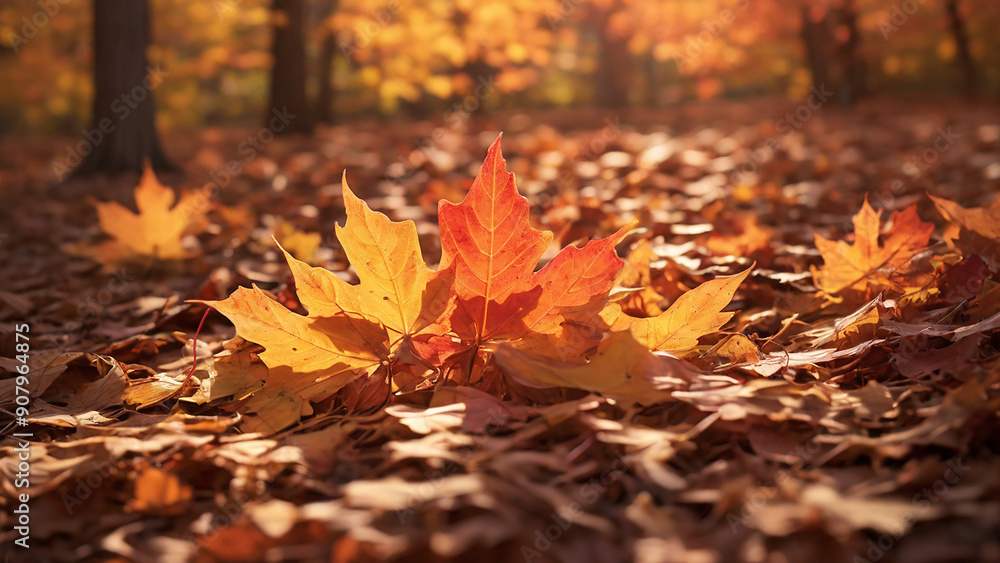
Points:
122	133
231	61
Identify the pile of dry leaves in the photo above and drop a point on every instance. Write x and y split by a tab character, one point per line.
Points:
658	343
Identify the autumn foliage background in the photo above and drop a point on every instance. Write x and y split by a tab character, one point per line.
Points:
548	53
513	280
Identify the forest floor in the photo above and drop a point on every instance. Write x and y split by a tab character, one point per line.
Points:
841	426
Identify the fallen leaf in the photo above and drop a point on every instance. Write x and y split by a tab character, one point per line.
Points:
621	368
395	322
160	493
300	244
984	221
308	358
158	229
695	314
866	263
494	250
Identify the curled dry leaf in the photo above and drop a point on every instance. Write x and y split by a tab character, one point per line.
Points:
975	230
984	221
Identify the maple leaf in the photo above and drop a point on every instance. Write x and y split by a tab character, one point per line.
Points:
351	330
386	256
866	262
694	314
493	249
157	230
301	244
401	313
309	358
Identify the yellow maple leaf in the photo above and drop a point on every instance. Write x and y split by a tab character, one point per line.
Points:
309	357
157	230
350	330
302	244
694	314
390	266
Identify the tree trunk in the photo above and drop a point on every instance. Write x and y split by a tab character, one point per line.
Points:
288	75
652	86
961	36
122	134
482	76
324	97
327	60
815	39
611	80
612	68
831	51
852	71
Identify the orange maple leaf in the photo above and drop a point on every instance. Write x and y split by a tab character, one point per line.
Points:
493	248
158	229
867	263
